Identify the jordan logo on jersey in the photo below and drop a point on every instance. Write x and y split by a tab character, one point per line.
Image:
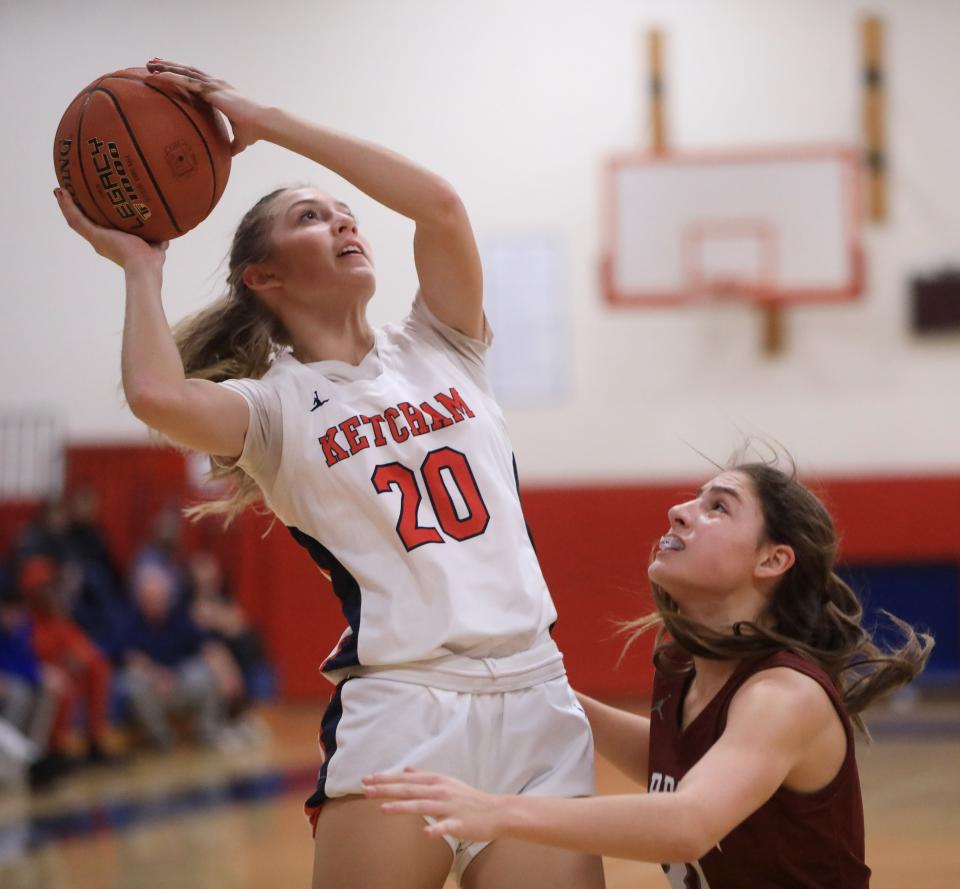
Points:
658	706
400	421
318	401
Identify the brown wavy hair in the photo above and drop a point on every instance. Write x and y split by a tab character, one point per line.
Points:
812	612
234	337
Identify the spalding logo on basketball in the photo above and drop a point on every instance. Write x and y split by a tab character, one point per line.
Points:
140	158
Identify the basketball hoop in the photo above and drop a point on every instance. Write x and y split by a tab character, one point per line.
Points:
768	226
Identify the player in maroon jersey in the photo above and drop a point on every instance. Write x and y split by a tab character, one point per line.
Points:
763	666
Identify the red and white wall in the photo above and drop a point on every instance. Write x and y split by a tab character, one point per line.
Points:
593	542
519	104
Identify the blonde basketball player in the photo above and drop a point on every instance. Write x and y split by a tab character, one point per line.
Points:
386	456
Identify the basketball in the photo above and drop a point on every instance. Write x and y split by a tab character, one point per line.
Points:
140	157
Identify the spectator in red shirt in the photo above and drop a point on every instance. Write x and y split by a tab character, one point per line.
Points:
61	644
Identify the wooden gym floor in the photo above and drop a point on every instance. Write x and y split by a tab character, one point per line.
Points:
193	820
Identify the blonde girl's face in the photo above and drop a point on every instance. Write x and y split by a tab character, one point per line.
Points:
714	545
316	244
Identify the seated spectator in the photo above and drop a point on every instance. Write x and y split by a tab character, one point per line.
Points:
171	665
98	608
46	534
19	689
67	532
19	667
67	652
216	612
29	692
163	549
99	605
86	540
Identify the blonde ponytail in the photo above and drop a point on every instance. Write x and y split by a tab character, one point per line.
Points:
235	337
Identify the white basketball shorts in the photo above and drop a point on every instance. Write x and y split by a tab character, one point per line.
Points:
534	740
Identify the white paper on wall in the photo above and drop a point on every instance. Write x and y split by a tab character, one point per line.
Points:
526	303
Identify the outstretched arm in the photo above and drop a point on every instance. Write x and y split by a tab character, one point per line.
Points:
775	727
448	264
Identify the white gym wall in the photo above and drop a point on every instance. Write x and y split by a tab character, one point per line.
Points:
518	102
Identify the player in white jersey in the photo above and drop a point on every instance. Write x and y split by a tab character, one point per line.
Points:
385	454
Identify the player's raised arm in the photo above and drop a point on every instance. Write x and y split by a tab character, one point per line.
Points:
195	413
445	252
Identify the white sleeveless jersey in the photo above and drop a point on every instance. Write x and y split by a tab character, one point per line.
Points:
398	478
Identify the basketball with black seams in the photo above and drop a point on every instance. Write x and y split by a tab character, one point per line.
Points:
139	156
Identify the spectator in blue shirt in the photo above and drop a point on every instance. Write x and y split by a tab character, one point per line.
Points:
170	664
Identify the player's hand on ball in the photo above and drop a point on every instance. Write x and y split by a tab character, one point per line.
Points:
459	810
120	247
243	114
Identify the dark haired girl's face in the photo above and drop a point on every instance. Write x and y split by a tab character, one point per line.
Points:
714	544
316	245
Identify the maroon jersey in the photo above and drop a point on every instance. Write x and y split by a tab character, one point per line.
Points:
794	840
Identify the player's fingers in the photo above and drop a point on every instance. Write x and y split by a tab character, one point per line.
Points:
383	778
75	219
411	776
185	86
417	776
65	200
177	68
401	791
157	68
414	807
177	90
451	826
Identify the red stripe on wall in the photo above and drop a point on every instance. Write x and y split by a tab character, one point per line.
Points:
593	542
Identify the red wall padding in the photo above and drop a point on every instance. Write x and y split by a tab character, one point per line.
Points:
593	543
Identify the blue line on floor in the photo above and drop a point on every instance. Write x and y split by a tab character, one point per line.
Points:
21	837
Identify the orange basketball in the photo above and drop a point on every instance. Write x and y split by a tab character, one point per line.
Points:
142	158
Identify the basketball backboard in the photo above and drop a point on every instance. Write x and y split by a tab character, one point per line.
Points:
767	225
